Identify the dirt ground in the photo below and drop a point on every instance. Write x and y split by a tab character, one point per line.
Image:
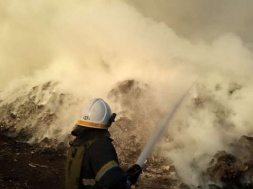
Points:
26	166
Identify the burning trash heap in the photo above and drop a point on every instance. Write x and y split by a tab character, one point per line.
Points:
31	118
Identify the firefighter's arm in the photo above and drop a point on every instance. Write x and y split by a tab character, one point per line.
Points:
105	165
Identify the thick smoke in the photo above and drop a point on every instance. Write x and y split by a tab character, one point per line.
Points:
202	19
86	47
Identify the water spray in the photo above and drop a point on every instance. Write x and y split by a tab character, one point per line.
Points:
152	141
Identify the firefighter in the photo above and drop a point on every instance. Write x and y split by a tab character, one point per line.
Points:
92	162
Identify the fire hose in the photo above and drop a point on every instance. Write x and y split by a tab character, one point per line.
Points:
134	171
152	141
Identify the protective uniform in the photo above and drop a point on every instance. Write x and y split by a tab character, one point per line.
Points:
101	167
92	160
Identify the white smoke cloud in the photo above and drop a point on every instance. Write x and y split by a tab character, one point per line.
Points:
88	46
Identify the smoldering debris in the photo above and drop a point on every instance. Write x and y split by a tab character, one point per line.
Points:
134	107
32	115
127	132
233	170
132	97
42	104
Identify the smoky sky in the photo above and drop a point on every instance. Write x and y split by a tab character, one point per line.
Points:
205	19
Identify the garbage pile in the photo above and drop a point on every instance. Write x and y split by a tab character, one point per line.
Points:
37	111
233	170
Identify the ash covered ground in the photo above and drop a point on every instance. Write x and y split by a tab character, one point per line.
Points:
39	162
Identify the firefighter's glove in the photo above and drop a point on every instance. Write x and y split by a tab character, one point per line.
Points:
133	173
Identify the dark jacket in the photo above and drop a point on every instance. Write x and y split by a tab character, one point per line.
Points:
100	168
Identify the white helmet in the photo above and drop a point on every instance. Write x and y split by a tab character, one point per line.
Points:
96	114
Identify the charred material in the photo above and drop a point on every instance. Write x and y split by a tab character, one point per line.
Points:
234	171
